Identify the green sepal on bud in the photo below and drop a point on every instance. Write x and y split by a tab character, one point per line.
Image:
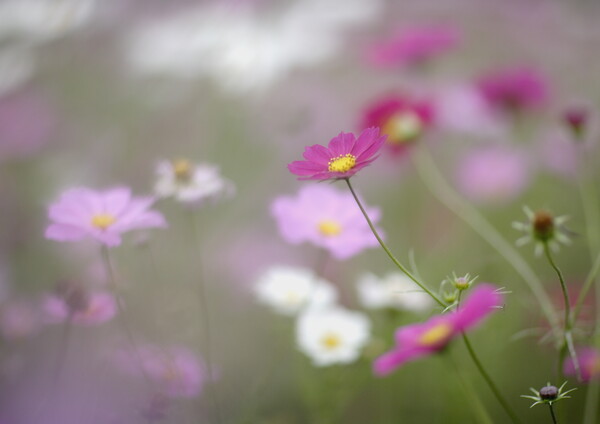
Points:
548	394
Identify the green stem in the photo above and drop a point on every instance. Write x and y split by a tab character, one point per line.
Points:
587	285
513	417
387	250
112	282
472	217
205	318
568	339
552	414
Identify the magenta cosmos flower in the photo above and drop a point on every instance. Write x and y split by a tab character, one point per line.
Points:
102	215
343	157
417	340
414	45
402	119
93	309
325	217
515	88
589	364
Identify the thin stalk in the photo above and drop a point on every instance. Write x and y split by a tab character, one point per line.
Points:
587	285
205	318
512	415
554	421
112	282
472	217
568	339
387	250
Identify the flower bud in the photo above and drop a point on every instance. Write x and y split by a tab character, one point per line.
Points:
543	226
549	392
576	119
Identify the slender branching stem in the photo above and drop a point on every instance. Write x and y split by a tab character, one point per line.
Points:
567	345
488	379
387	250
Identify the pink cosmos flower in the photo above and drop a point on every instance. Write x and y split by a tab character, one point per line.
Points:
417	340
325	217
402	119
176	370
102	215
414	45
515	88
493	175
343	157
589	364
95	309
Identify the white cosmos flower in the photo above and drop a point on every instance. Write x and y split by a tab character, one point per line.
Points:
191	183
289	290
332	336
39	20
241	49
395	290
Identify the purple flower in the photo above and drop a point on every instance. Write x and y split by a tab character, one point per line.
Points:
343	157
414	45
493	174
96	308
589	364
102	215
325	217
177	371
417	340
515	88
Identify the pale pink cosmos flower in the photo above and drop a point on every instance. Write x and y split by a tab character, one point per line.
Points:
414	45
589	364
177	371
415	341
493	174
401	118
343	157
327	218
102	215
515	88
94	309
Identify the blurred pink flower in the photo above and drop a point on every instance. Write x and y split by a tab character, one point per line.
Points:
19	319
589	364
176	370
414	45
515	88
402	119
27	123
559	154
463	108
493	174
343	157
417	340
325	217
102	215
95	309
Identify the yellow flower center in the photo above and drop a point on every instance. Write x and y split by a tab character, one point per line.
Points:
182	168
103	220
343	163
330	228
402	127
436	335
331	341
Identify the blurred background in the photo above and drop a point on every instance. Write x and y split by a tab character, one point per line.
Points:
96	93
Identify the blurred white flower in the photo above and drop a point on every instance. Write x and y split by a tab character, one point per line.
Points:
395	290
332	336
191	183
241	50
39	20
289	290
